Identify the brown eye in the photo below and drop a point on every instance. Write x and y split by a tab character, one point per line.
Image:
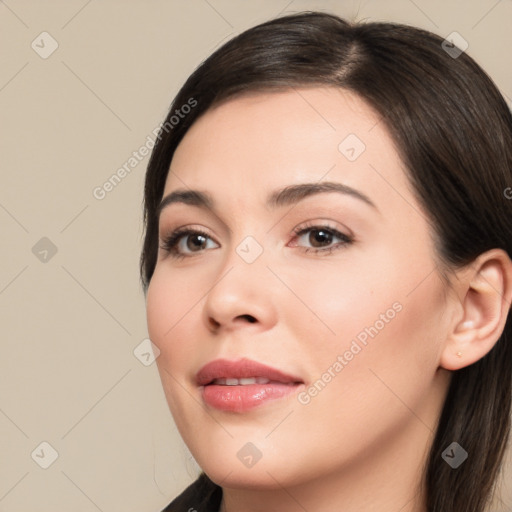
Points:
321	237
185	242
195	241
318	237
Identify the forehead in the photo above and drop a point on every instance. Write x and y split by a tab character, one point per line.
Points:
268	140
279	120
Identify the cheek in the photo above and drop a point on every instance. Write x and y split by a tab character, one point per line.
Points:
170	311
170	307
361	378
381	313
344	298
170	298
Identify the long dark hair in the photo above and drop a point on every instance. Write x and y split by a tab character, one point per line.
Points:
453	131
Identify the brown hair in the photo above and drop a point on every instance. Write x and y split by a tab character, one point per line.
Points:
453	131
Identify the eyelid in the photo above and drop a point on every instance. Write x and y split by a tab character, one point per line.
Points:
165	231
327	224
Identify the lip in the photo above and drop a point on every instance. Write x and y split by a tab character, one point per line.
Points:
240	398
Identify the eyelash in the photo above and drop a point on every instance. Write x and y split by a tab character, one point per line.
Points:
169	244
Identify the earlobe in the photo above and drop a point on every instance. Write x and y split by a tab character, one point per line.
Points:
486	294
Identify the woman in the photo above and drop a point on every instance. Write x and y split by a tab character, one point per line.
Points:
327	271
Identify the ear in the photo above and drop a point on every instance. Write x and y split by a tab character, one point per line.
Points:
485	292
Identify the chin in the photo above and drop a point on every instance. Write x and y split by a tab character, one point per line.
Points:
226	467
246	478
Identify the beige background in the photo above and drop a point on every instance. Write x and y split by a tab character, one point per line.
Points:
72	320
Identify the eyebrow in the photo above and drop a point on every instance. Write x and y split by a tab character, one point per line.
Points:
286	196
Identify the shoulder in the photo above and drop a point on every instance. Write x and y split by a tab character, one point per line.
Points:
202	495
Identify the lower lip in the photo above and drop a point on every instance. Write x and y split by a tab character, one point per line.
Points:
245	397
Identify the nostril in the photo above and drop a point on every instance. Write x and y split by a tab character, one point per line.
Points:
214	323
249	318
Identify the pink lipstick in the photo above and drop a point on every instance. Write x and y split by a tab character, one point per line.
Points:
241	385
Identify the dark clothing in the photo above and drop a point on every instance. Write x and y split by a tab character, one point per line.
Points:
200	496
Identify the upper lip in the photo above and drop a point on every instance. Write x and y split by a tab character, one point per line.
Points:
242	368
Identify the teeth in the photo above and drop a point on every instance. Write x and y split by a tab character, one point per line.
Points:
241	382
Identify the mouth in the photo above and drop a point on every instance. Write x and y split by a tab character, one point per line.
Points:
245	381
238	386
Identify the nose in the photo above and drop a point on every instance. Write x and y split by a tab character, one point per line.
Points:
243	296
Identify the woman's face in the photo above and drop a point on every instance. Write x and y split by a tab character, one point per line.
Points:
338	289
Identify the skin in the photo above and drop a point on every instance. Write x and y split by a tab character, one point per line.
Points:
361	442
